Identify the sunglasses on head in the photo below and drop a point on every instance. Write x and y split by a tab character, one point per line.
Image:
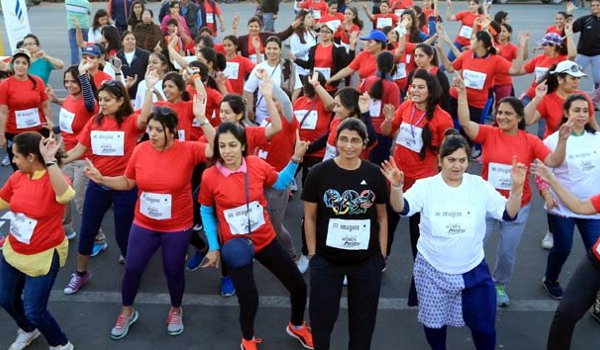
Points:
573	69
109	83
163	110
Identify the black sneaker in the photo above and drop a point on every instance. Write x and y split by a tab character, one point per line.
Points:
553	289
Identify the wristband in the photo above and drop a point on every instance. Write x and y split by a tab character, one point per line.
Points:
51	163
296	159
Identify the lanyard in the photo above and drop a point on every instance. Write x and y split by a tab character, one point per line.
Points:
412	117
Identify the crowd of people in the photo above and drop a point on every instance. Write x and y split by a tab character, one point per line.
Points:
381	123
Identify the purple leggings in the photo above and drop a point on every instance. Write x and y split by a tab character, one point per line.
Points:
143	243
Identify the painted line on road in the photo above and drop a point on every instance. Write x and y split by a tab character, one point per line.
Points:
525	305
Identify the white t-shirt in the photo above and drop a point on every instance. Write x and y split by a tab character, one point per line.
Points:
453	220
252	85
579	174
141	93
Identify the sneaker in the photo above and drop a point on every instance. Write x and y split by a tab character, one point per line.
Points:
24	339
595	312
175	321
98	248
121	260
227	287
303	335
76	282
345	281
250	344
2	239
121	328
302	264
553	289
68	346
197	228
294	186
195	261
71	235
548	241
5	160
502	299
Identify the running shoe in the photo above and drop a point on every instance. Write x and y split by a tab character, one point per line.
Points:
121	260
502	299
548	241
98	248
2	239
5	160
76	282
227	287
302	264
175	321
68	346
195	261
553	289
250	344
303	335
121	328
294	186
70	235
24	339
595	312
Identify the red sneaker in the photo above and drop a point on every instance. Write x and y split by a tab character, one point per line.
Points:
250	344
303	335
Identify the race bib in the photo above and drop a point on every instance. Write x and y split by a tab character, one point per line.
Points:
540	72
384	22
22	227
316	14
474	80
410	136
326	71
348	234
239	217
375	108
181	135
400	71
453	222
65	121
310	119
232	70
108	143
330	152
465	32
499	176
210	18
262	153
28	118
156	206
398	12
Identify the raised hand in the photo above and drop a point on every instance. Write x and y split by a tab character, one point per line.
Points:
151	79
390	170
363	102
388	112
518	172
48	147
266	88
130	80
541	90
565	130
459	84
542	171
301	146
314	80
199	106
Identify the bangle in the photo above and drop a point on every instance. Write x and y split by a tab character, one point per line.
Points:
296	159
50	163
118	73
398	187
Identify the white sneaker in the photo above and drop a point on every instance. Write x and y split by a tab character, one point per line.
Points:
302	264
294	186
24	339
345	282
548	241
68	346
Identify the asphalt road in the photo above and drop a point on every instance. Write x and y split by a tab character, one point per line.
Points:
211	321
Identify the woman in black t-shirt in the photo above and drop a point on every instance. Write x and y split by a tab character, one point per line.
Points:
346	233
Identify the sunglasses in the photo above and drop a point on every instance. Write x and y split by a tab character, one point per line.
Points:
573	69
163	110
109	83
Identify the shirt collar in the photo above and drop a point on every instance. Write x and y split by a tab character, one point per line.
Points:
482	57
38	174
226	171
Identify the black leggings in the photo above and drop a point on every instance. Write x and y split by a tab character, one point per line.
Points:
579	296
413	227
279	262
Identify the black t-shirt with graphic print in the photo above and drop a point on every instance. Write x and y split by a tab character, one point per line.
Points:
347	225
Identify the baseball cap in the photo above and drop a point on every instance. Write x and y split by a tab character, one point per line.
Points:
91	50
569	67
22	52
376	35
551	38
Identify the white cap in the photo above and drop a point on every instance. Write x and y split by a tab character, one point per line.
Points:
569	67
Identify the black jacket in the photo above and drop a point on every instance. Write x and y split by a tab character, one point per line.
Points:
138	66
341	59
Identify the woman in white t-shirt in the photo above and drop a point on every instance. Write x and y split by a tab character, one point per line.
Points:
281	71
578	174
453	281
303	39
157	63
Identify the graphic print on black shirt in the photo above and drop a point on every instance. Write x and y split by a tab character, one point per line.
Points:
350	202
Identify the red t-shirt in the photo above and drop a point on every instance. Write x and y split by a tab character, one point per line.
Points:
467	21
227	195
478	74
72	119
99	78
401	4
280	148
344	34
24	104
498	150
409	121
540	64
155	185
509	53
36	200
391	95
405	64
185	115
551	109
111	145
212	17
383	20
325	17
316	120
237	69
596	203
324	62
319	8
365	63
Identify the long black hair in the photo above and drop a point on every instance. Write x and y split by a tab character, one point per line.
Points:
567	105
74	71
177	79
486	39
453	141
117	90
433	100
385	69
167	119
349	99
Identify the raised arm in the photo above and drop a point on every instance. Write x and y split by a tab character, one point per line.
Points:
531	113
464	118
556	158
396	178
323	94
518	175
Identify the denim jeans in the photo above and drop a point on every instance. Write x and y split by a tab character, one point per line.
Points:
563	228
25	298
269	22
97	201
75	50
594	61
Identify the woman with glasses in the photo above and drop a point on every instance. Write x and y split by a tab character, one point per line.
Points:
111	136
42	64
345	224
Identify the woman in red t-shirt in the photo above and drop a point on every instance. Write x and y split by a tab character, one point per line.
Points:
503	83
76	109
163	213
349	30
502	146
233	208
24	104
365	62
36	246
386	18
238	67
111	135
418	127
425	58
467	21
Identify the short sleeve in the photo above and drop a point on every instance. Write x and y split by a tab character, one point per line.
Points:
84	134
355	64
540	150
257	136
483	133
459	16
198	151
218	9
495	202
595	202
251	84
4	92
7	190
310	190
458	63
502	65
529	67
41	88
397	121
130	171
542	109
415	197
206	196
